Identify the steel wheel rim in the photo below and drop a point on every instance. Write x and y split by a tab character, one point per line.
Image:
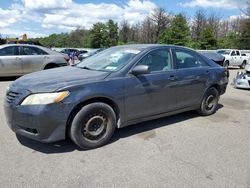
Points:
210	102
95	127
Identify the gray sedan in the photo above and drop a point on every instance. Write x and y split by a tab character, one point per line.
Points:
115	88
20	59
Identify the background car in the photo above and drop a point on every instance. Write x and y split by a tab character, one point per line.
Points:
89	53
20	59
242	79
234	58
120	86
69	51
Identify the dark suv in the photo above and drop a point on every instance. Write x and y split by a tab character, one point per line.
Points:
117	87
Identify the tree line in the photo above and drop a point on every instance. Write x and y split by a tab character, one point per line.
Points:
202	31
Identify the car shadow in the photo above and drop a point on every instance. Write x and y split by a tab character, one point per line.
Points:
68	146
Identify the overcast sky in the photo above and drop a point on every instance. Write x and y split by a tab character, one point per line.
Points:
44	17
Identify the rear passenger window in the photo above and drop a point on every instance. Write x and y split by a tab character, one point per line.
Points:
187	59
237	53
28	50
9	51
157	60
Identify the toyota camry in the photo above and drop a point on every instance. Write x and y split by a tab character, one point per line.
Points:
117	87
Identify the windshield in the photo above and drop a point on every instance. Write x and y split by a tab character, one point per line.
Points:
225	52
110	60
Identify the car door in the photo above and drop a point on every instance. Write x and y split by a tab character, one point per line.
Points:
193	73
238	58
33	58
153	93
10	62
233	61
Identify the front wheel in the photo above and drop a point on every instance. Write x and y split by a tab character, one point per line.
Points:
93	125
209	102
243	65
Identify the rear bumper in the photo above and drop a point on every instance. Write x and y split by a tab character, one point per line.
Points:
45	123
223	89
242	83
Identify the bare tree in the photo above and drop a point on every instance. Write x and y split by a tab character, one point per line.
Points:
246	11
147	31
199	21
125	31
214	20
161	20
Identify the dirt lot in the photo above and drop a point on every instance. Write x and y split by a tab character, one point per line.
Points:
184	150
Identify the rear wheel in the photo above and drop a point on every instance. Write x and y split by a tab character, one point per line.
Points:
209	102
93	125
243	65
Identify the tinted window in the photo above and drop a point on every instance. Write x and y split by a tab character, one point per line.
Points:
157	60
27	50
237	53
9	51
42	52
233	53
188	59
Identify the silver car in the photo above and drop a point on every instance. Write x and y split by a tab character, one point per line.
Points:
20	59
242	80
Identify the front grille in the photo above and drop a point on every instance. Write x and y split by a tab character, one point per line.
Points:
11	96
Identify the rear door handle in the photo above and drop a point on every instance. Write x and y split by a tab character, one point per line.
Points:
172	77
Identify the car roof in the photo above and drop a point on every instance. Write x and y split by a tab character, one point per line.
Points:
31	45
49	51
227	49
148	46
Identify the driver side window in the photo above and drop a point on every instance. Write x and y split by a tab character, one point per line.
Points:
157	60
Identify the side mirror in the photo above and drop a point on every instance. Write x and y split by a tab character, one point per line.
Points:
140	69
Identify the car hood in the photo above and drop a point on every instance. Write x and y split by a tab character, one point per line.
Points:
54	79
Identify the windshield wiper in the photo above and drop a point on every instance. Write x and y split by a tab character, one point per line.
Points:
87	68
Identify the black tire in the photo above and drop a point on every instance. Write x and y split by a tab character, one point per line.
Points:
243	65
50	66
209	102
226	64
93	125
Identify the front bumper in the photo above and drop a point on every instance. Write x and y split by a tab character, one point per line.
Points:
45	123
242	83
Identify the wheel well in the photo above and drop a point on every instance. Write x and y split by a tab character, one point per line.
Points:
76	109
216	86
50	65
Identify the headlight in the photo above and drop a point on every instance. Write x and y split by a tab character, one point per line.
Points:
45	98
